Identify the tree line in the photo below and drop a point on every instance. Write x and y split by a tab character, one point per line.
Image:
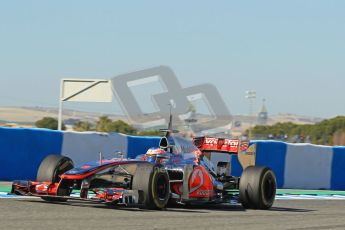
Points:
326	132
103	124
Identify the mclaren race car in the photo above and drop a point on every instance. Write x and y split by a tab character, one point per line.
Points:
180	170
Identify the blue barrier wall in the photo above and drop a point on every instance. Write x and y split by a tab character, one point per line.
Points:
338	169
268	153
22	150
272	154
139	145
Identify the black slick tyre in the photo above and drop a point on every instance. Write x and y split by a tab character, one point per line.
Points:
152	182
257	187
50	170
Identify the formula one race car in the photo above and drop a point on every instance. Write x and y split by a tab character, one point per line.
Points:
179	171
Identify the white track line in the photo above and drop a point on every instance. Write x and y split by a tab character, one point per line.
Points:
5	195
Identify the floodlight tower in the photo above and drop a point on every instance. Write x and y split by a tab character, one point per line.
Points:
251	96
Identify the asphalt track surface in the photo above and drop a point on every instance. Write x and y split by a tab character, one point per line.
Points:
285	214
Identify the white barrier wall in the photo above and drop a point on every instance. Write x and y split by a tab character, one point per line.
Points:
301	166
308	166
86	146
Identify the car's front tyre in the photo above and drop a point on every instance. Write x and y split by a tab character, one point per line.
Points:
153	185
50	170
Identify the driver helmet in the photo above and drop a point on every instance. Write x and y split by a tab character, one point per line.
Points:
155	151
151	154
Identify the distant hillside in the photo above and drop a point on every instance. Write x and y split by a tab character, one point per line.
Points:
29	115
297	119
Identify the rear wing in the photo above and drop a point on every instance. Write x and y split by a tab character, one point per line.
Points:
246	152
220	144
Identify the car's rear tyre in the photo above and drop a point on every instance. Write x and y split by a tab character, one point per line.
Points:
50	170
257	187
153	185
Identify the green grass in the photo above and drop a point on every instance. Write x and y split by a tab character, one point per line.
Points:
5	188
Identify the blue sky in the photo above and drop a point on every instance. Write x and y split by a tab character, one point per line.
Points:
291	52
